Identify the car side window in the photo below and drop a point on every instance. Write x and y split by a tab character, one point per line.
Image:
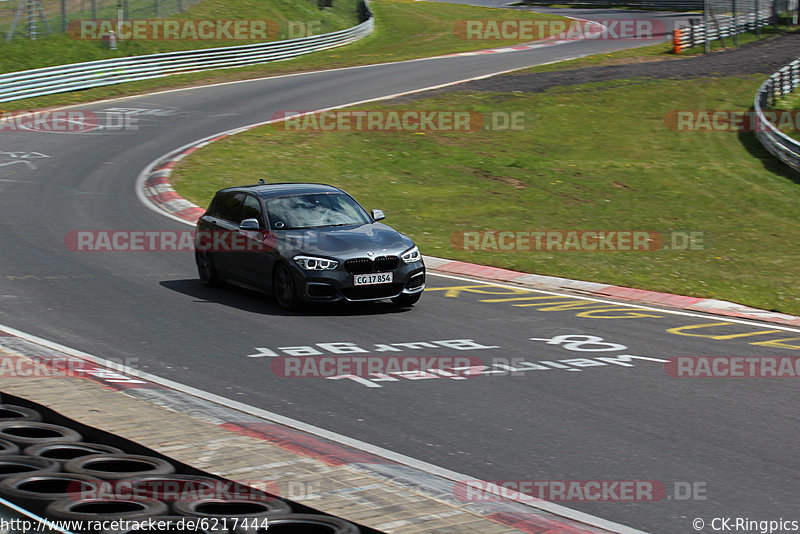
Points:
228	206
251	209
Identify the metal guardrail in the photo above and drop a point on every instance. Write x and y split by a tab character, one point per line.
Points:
665	5
697	34
76	76
776	142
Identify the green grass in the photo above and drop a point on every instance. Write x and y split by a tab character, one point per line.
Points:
596	157
404	30
58	49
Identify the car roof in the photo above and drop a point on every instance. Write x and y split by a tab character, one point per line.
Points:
282	189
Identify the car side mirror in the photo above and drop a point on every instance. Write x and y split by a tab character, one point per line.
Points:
250	224
377	215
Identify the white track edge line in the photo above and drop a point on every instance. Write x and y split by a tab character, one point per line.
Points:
402	459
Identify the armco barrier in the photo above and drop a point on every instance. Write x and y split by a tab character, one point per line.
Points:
776	142
76	76
665	5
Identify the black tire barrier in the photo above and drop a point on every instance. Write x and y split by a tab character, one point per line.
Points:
93	511
232	512
305	524
118	466
6	447
173	524
35	491
172	488
11	465
26	433
12	412
63	452
241	516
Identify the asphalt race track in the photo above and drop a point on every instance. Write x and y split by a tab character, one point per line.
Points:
610	412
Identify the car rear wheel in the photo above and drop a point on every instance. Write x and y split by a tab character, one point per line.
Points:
283	288
206	270
406	301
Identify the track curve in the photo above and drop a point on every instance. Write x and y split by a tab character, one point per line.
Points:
621	421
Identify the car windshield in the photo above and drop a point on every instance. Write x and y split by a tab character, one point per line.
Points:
315	210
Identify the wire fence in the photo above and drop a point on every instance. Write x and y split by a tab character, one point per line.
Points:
727	19
31	18
665	5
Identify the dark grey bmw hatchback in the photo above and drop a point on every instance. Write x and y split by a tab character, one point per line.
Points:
305	242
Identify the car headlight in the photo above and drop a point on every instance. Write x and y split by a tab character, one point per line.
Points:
310	263
411	255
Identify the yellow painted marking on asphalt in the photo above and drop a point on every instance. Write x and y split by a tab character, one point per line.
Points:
680	331
779	343
569	304
483	289
630	313
566	305
557	302
513	299
603	310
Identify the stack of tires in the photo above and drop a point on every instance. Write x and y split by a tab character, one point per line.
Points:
49	469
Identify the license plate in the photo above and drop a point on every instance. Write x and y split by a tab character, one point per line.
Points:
370	279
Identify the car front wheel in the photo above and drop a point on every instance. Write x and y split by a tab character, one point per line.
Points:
283	288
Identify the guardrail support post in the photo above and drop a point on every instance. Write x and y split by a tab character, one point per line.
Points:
758	19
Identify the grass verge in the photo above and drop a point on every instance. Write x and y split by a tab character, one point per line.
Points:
591	157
